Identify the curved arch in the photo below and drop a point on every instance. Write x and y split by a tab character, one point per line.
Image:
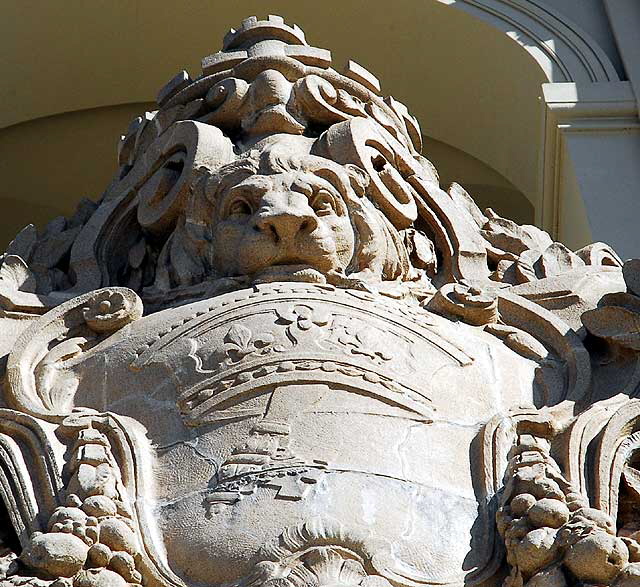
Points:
561	48
620	439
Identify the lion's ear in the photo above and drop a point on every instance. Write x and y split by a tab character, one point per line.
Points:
358	179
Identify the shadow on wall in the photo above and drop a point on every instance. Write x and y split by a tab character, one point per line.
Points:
73	156
487	187
49	164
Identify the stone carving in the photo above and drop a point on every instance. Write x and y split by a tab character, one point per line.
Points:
552	535
277	352
93	530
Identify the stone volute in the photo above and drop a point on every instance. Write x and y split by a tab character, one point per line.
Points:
276	352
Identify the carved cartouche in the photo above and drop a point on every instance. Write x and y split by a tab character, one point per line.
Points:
283	403
277	354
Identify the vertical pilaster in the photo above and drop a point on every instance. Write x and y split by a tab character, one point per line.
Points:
592	165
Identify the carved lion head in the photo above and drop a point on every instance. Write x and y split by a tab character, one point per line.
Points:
278	215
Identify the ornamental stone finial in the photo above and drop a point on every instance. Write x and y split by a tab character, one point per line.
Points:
277	353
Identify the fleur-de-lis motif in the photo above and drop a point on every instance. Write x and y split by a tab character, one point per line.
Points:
240	342
368	342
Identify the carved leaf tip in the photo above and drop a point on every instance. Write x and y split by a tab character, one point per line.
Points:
17	275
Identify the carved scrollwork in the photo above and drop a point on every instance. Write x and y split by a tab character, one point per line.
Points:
29	473
525	328
317	310
321	552
35	268
303	340
615	324
470	303
93	537
617	319
225	98
165	174
386	161
325	103
38	380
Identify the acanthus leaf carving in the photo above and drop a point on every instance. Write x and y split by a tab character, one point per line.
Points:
15	273
38	380
615	323
321	552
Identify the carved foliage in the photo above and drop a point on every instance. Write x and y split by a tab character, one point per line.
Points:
301	340
91	539
38	379
617	319
522	254
319	552
39	263
270	110
552	536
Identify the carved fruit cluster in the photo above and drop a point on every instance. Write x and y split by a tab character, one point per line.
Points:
90	540
552	537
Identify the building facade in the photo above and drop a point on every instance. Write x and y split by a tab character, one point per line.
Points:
530	104
295	341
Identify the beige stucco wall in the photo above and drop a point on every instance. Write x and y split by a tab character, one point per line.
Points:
48	164
75	74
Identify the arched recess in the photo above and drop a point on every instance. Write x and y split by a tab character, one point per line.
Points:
561	48
588	173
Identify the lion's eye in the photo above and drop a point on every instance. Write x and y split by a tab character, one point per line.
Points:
240	207
323	204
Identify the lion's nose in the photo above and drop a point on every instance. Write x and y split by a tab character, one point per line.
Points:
285	226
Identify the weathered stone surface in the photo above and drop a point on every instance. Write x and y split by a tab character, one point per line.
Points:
276	352
56	554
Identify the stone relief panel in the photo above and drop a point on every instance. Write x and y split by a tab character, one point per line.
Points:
276	352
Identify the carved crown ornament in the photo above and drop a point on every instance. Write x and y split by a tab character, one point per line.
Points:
276	352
